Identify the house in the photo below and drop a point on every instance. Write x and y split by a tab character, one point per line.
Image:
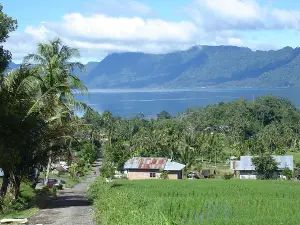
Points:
151	168
244	168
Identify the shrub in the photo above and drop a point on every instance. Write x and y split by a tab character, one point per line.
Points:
60	173
211	176
54	191
288	173
25	201
228	176
107	171
164	175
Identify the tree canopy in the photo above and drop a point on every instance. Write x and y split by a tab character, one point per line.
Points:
7	25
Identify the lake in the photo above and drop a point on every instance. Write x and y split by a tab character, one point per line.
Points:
127	102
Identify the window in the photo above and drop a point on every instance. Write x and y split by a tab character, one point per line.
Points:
152	174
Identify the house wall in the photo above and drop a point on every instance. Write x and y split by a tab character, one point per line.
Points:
174	175
247	174
136	174
251	175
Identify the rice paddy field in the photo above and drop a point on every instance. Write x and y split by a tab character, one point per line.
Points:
196	202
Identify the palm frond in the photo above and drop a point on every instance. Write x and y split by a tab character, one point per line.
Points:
77	85
66	53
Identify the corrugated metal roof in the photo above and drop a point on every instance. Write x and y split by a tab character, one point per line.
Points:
171	166
285	161
145	163
245	162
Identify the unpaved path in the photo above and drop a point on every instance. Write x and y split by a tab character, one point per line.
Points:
70	208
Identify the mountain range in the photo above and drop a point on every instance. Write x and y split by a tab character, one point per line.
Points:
199	66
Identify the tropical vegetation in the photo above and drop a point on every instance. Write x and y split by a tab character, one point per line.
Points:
38	115
206	137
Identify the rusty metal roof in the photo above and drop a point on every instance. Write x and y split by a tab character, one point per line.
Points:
146	163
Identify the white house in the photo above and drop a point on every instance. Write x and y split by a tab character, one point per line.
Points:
244	168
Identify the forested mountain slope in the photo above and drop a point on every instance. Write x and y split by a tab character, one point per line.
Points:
199	66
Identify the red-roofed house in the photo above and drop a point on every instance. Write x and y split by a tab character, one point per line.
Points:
150	168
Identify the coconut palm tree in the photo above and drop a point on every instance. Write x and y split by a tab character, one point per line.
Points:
37	109
57	81
58	84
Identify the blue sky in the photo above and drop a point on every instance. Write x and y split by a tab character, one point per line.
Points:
100	27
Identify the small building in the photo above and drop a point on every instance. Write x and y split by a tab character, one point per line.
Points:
244	168
151	168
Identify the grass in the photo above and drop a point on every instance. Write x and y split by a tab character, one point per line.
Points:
20	214
296	156
23	207
196	202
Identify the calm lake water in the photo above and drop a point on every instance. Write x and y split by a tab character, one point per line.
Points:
127	102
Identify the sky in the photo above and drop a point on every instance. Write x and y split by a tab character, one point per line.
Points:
101	27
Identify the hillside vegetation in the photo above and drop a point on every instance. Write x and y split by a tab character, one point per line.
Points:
200	66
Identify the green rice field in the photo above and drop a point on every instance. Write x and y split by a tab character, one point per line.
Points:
196	202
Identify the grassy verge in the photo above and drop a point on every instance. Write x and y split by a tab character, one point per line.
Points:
20	214
196	202
25	206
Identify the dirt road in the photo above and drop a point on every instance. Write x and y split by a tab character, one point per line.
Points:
70	208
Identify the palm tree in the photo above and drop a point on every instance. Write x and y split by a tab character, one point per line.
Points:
57	81
20	135
58	84
37	109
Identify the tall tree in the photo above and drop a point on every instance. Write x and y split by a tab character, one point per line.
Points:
58	84
7	25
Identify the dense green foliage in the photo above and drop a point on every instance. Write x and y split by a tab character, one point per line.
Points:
26	200
7	25
209	135
200	66
265	166
38	123
196	202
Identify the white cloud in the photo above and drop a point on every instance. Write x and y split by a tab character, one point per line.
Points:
241	15
289	19
100	34
108	29
242	10
102	27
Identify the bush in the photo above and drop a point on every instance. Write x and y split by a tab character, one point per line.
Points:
107	171
228	176
25	201
60	173
288	173
164	175
211	176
